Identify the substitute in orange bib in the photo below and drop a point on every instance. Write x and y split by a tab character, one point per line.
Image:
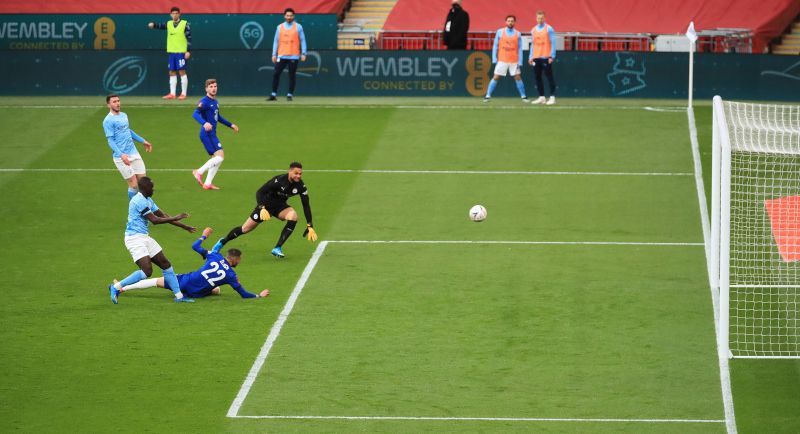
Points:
507	55
288	47
543	54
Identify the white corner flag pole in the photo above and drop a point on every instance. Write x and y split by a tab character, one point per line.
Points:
692	35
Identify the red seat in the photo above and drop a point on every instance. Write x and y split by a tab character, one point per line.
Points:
612	45
586	45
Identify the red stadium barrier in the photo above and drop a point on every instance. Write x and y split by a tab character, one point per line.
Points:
766	18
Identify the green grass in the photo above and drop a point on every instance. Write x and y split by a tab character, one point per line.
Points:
442	330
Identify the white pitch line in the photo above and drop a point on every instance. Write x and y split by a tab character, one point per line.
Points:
382	171
502	419
567	243
275	331
724	369
666	109
359	106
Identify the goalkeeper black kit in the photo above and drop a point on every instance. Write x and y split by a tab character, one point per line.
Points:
275	192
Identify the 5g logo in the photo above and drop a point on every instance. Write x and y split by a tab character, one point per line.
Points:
251	34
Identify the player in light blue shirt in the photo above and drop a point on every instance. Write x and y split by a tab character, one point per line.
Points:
144	249
120	139
215	272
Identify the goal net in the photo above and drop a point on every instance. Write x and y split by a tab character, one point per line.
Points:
756	228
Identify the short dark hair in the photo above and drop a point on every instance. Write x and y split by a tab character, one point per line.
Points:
111	95
295	164
143	181
540	12
235	253
511	16
175	9
288	10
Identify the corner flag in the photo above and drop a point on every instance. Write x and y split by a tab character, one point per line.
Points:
691	34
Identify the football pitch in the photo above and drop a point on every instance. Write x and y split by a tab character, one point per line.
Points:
581	304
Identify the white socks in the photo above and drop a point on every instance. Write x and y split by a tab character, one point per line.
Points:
212	166
173	84
144	283
184	84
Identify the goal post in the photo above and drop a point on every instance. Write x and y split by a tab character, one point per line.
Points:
755	228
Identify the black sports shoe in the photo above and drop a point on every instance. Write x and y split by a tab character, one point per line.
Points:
272	98
288	97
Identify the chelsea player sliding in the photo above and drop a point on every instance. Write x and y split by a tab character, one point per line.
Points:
207	115
215	272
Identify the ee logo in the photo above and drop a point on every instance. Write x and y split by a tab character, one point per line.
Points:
104	29
478	66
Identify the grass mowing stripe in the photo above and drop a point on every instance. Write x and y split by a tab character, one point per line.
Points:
413	172
500	419
666	109
275	331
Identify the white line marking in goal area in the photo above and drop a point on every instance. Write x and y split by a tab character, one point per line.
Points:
724	369
509	419
567	243
275	331
388	171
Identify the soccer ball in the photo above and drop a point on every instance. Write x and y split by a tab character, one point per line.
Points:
477	213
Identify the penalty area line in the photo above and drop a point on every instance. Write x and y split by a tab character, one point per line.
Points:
490	419
275	331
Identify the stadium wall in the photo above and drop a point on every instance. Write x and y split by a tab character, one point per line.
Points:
397	73
130	32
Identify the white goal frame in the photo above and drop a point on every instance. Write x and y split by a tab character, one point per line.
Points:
720	259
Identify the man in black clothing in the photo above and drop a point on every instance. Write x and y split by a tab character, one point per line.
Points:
456	27
271	201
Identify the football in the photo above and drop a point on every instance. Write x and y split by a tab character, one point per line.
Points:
477	213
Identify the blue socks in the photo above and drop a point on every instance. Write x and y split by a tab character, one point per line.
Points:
520	88
171	281
133	278
492	85
131	192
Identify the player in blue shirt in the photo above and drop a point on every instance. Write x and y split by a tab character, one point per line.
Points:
207	115
120	139
215	272
145	250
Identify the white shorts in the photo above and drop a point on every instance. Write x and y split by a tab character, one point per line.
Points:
141	245
136	167
504	68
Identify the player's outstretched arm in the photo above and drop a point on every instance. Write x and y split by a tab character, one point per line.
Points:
310	234
159	218
243	292
197	246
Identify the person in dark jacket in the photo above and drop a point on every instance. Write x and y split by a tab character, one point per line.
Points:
456	27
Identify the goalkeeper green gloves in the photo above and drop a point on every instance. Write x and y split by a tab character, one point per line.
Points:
310	233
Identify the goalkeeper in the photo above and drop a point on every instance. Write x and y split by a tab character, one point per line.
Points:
271	201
